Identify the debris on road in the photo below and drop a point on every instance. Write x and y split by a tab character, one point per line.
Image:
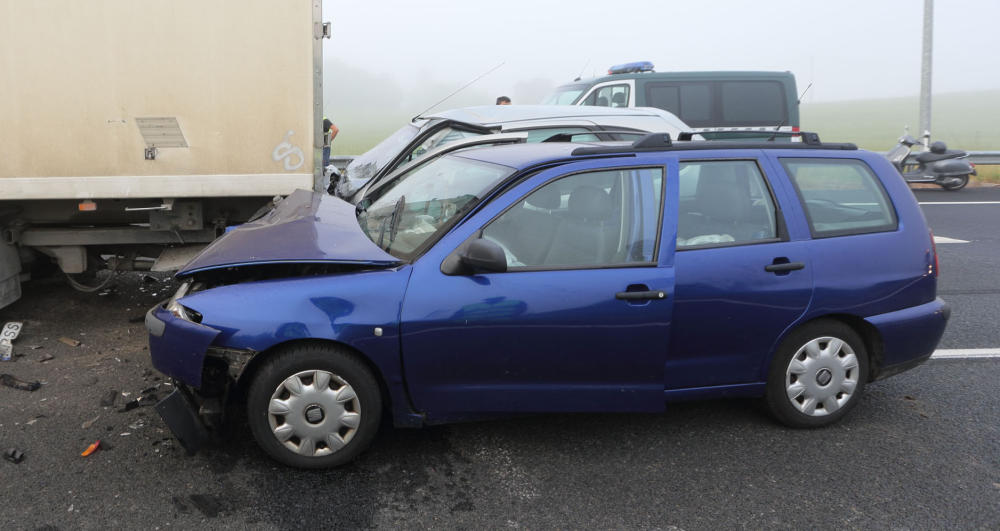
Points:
69	341
12	381
88	423
13	455
109	398
7	336
46	357
129	406
92	448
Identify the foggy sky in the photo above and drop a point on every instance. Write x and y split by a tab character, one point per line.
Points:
849	49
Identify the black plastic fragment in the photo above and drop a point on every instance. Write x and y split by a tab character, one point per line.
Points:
13	455
11	381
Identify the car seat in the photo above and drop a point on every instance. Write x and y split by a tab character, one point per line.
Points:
587	235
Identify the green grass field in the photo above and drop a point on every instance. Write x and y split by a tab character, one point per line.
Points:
965	120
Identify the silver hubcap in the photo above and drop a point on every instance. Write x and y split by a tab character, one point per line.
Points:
314	413
822	376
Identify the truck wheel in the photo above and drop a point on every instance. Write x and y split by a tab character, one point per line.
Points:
314	406
817	375
955	183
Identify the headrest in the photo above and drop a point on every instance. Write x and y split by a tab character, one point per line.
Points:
547	197
589	202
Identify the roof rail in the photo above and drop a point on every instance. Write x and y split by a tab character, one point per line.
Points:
807	137
662	142
568	137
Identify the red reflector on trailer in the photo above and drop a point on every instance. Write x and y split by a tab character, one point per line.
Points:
87	206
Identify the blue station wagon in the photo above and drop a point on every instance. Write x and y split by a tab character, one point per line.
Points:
555	277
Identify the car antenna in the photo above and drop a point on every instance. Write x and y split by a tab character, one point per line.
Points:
578	76
460	89
782	124
809	86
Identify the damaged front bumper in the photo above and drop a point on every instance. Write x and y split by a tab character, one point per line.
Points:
178	346
203	374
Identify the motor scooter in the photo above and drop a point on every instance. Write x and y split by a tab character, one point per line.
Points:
948	168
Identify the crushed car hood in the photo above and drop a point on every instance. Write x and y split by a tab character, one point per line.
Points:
305	227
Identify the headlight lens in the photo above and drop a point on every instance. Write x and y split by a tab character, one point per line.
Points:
175	307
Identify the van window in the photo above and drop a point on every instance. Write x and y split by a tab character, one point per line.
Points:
753	103
840	196
609	96
691	102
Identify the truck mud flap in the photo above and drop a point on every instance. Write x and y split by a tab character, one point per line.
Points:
180	414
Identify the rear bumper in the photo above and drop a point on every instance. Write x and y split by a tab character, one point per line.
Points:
909	336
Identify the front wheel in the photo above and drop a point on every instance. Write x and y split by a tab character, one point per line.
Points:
817	375
314	406
954	183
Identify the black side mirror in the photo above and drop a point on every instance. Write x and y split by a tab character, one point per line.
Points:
477	256
484	255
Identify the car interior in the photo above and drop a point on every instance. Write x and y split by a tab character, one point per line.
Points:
578	221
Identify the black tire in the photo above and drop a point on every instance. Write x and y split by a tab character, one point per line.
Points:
831	368
952	184
314	411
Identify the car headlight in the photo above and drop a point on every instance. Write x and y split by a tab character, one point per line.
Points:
175	307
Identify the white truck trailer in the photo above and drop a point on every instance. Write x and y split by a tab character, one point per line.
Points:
133	127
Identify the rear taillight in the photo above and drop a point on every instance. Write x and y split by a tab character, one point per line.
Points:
937	265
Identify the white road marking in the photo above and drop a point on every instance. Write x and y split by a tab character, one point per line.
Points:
965	353
942	239
959	203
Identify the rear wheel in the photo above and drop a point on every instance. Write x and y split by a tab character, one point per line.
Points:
817	375
954	183
314	406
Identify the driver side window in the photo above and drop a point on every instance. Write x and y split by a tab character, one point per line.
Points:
586	220
609	96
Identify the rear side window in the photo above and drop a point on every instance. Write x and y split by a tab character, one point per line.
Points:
691	102
840	196
754	103
724	202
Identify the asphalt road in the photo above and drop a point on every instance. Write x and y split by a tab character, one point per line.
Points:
921	451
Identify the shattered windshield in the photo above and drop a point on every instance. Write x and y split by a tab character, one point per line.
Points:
367	165
407	211
564	95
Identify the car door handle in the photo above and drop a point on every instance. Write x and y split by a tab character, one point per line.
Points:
787	266
640	295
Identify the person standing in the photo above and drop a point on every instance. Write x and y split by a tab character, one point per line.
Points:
329	133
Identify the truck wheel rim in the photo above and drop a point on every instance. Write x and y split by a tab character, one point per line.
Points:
822	376
314	413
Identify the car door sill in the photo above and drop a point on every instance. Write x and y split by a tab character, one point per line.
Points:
715	391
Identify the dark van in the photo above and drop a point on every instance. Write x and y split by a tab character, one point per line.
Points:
707	101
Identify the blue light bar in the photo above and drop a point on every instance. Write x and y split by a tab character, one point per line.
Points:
628	68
